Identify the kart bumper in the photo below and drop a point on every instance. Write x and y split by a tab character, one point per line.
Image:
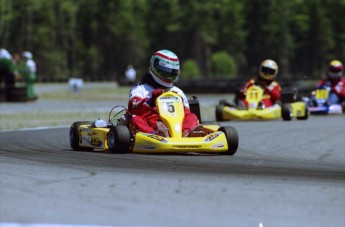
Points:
230	113
332	109
213	143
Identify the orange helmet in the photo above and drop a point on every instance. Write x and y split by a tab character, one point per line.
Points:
335	70
268	70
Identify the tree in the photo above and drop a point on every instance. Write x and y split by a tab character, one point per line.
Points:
223	65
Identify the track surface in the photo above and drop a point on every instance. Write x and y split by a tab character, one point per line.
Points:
283	174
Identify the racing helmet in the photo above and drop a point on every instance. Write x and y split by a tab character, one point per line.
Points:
27	54
268	70
335	70
165	67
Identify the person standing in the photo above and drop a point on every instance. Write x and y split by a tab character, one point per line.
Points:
29	70
130	74
8	72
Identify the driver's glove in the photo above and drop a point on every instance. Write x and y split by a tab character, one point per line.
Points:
155	94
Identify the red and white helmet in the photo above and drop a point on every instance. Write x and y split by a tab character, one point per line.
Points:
335	70
165	67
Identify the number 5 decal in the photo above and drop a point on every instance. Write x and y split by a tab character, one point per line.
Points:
171	108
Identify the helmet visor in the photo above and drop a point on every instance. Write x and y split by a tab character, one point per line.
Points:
167	70
268	71
167	73
333	75
333	69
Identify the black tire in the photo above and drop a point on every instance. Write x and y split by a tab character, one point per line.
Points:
306	111
219	112
74	136
119	139
286	112
232	139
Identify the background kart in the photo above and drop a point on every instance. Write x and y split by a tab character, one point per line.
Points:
290	107
318	102
115	136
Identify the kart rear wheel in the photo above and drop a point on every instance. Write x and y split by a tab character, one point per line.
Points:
286	112
219	112
231	138
119	139
74	136
306	113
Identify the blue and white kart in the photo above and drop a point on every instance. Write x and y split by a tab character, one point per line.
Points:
323	101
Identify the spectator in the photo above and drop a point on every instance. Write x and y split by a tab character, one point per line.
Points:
8	72
29	72
130	74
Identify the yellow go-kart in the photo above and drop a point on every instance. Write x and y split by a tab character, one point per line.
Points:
115	136
289	108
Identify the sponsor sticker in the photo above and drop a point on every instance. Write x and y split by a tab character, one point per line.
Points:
156	137
145	146
217	145
85	130
212	136
95	141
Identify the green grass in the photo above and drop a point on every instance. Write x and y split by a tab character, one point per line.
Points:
91	94
49	117
40	119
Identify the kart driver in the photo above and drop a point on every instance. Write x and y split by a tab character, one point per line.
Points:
266	79
335	82
163	72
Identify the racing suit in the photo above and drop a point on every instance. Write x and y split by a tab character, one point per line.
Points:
337	90
272	92
144	113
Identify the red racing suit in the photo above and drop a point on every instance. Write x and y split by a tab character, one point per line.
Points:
145	117
272	92
337	87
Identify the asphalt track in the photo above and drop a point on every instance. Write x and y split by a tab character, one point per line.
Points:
283	174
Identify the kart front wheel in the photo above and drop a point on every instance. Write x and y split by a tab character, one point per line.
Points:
219	112
119	139
74	136
286	112
231	138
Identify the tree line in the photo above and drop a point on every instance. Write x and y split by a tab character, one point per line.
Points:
97	39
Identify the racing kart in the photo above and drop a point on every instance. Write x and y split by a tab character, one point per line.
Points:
115	135
318	102
289	107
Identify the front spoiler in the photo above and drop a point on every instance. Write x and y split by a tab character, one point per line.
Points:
215	142
332	109
230	113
